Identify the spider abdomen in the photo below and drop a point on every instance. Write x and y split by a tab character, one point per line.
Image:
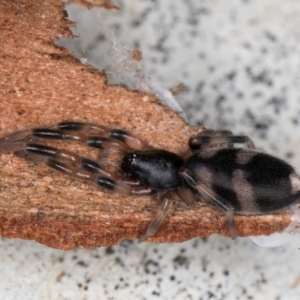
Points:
157	169
249	181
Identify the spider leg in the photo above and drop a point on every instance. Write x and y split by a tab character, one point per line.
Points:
218	139
16	141
186	195
158	219
92	135
211	198
23	143
83	169
64	161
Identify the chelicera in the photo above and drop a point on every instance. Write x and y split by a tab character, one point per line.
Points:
235	180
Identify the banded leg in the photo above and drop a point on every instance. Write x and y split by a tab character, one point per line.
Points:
218	139
83	169
159	218
211	198
92	135
184	193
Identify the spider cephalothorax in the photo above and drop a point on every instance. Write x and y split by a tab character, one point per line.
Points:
242	181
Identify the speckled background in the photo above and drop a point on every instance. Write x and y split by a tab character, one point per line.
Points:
216	268
240	61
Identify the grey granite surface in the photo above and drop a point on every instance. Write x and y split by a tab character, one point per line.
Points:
214	268
240	62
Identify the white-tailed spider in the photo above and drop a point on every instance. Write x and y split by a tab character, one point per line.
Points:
242	181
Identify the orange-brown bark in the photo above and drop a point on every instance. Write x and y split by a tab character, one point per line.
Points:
42	84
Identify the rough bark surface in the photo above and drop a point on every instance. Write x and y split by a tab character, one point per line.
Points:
43	84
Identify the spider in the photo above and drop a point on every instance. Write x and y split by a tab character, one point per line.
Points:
235	180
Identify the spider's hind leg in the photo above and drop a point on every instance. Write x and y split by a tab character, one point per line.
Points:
218	139
208	196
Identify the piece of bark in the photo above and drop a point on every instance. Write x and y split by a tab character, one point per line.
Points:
41	84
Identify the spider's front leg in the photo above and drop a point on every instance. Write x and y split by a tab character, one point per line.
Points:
218	139
92	135
84	169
